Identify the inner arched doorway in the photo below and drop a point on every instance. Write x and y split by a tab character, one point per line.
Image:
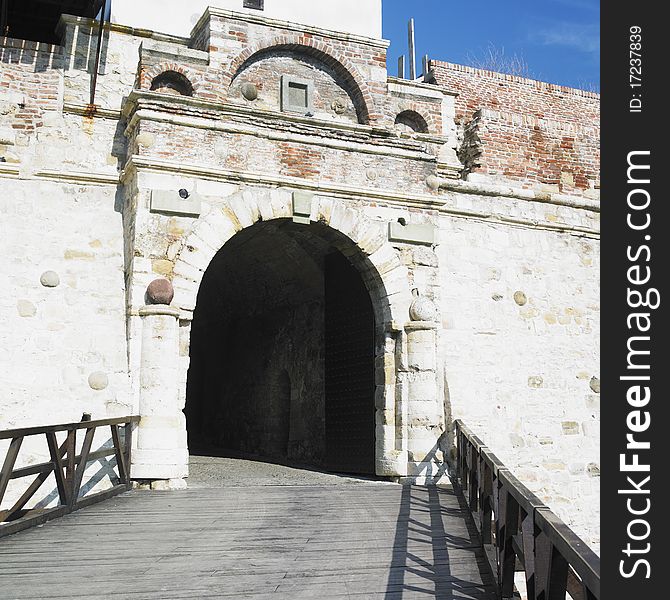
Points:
282	358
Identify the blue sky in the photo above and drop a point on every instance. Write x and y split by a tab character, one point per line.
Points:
559	40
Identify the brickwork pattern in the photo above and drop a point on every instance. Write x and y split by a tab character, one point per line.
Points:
525	130
29	83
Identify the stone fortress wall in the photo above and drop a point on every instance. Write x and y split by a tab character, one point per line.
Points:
479	190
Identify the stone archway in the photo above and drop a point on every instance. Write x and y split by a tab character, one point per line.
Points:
282	351
408	418
363	241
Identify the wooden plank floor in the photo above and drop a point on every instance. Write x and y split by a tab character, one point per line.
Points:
364	541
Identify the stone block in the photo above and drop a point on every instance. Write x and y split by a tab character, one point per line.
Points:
412	233
171	203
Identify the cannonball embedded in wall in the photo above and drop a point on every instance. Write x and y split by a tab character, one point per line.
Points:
249	91
160	291
98	380
422	309
433	182
145	139
594	384
520	298
49	279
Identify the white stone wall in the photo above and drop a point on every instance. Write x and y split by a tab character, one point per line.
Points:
522	376
62	348
359	17
53	339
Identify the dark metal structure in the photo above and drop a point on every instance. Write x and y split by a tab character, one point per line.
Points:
36	20
350	375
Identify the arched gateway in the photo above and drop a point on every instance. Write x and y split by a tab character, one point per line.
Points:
282	349
296	307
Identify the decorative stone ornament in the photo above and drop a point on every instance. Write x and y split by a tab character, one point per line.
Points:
160	291
49	279
249	91
338	106
422	309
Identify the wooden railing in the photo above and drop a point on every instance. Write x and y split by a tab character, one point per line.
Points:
67	467
520	533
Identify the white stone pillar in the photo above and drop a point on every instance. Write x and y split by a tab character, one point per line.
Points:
425	412
161	452
391	457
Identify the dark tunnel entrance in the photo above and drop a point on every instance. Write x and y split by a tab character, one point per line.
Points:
282	352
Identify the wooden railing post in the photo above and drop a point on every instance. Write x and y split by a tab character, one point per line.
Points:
120	454
8	464
510	518
485	494
81	467
57	462
128	444
71	453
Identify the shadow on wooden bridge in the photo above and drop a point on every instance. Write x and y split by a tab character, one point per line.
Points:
436	552
367	540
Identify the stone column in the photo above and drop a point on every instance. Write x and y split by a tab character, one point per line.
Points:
161	454
425	418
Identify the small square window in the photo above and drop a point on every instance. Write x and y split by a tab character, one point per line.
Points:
257	4
296	94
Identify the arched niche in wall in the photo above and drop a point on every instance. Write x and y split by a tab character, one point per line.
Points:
172	82
299	80
411	121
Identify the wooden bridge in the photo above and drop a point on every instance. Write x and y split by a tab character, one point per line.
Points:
368	540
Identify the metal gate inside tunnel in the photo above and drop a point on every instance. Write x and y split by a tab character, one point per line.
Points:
282	352
349	369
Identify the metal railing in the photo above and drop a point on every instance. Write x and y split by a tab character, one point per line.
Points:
520	533
67	467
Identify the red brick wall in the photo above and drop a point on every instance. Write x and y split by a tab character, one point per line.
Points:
29	82
524	129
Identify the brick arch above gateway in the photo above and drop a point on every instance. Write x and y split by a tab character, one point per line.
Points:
343	67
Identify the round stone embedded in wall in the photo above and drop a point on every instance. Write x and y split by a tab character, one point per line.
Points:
98	380
422	309
338	106
249	91
49	279
520	298
160	291
594	384
593	470
145	139
433	182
